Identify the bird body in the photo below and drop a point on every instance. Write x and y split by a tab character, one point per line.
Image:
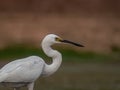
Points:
24	72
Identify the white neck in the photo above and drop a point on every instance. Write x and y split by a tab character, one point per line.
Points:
56	59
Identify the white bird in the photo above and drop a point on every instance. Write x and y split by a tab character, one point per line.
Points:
24	72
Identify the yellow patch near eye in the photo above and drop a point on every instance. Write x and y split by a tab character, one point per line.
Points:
58	39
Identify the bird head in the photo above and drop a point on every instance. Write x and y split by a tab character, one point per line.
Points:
52	39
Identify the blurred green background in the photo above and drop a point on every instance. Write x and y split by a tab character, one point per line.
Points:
93	23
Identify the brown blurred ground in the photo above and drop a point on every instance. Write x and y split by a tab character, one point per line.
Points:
61	6
95	23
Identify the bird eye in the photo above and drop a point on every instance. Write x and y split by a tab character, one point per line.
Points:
57	39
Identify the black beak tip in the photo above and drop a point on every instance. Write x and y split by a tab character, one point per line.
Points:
81	46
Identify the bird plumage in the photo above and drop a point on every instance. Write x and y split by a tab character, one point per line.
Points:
27	70
24	72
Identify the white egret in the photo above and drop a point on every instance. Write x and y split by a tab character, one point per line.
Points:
24	72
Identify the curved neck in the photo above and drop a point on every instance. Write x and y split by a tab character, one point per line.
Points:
56	59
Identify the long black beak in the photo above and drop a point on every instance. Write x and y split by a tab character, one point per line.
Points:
76	44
